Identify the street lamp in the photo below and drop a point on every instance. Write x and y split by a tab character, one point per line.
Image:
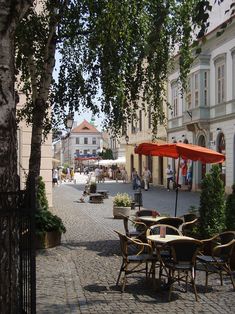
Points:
68	124
69	121
127	139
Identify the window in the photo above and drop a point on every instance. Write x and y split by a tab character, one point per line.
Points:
94	151
220	79
77	152
205	88
85	151
175	100
85	140
196	90
93	140
140	120
77	140
220	83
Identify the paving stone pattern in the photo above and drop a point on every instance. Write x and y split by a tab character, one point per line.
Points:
79	276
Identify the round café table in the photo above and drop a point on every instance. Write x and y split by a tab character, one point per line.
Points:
151	219
168	237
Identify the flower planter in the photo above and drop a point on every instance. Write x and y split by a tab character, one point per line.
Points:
118	211
48	239
92	188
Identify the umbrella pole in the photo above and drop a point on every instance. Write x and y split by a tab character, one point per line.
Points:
177	187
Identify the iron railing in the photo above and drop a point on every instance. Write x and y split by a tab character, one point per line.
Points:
19	225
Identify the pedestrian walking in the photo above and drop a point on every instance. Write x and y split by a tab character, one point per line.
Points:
55	176
97	174
169	176
146	177
134	178
124	175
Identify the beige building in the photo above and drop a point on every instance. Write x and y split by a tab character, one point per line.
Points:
139	132
24	146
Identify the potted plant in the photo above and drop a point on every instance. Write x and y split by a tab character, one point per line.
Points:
93	187
49	227
121	205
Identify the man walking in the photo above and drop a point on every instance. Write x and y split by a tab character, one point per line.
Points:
169	176
146	177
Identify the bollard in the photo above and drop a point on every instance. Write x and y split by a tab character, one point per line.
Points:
138	198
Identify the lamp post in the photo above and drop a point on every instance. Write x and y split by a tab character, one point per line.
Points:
127	139
68	124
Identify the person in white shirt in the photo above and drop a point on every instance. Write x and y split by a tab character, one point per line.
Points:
146	177
55	176
97	174
169	176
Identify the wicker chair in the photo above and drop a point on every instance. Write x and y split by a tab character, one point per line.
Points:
187	227
146	212
141	226
138	260
171	221
162	254
182	265
188	217
219	258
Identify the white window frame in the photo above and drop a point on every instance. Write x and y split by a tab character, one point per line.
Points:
196	89
220	79
206	88
94	141
77	140
85	140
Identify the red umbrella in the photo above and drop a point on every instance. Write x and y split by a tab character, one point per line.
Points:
180	150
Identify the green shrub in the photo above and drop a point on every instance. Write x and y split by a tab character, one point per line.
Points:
212	204
230	210
42	202
122	200
46	221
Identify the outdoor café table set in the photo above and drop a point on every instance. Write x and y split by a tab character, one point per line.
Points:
174	254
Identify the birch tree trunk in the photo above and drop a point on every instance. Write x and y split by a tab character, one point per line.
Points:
41	105
10	13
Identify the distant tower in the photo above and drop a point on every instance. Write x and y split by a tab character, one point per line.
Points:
92	120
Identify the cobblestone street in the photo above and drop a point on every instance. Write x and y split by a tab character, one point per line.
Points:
79	276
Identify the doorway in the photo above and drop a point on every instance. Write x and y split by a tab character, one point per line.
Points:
132	164
201	166
221	149
160	170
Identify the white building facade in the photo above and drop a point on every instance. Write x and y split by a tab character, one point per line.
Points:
205	115
83	140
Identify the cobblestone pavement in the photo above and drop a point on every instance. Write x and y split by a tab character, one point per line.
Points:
79	276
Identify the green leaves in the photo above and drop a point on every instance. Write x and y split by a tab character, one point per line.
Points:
212	203
114	55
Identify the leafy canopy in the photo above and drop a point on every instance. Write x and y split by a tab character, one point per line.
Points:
114	55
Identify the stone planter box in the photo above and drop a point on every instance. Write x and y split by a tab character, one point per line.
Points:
48	240
121	210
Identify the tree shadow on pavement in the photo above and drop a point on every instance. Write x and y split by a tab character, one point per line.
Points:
102	247
140	290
